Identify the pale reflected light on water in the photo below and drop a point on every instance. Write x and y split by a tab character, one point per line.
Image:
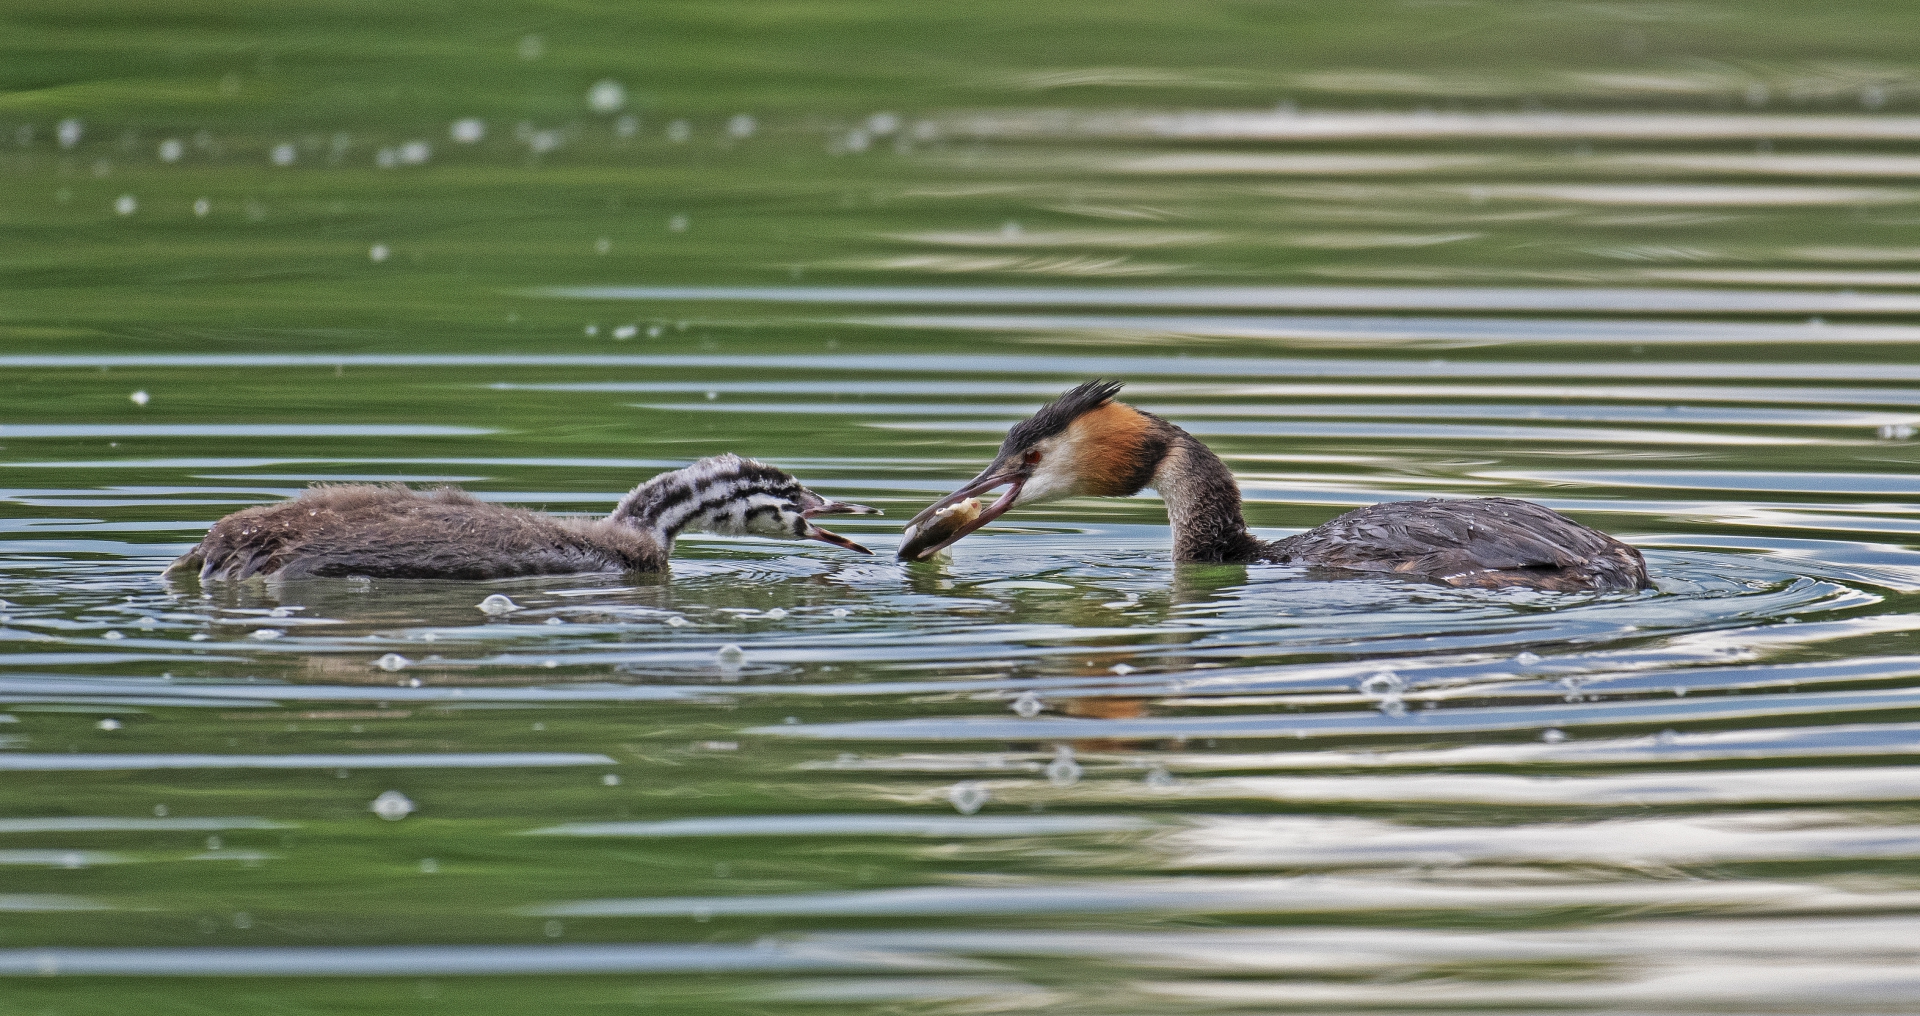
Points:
1671	295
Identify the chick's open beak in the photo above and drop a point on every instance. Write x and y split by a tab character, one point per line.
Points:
826	507
1000	474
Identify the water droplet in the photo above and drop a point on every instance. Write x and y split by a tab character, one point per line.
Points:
555	929
1395	707
171	150
626	126
839	612
283	155
378	252
603	246
676	622
554	620
392	806
731	657
1553	735
776	614
243	920
1122	669
266	634
1527	659
742	126
69	133
1895	432
429	866
1385	684
592	330
1159	779
468	131
201	207
280	612
497	603
214	843
113	636
1063	771
392	662
160	810
883	124
125	204
415	153
108	724
550	664
678	223
968	796
1028	705
198	636
625	332
532	47
610	780
607	96
1666	737
679	131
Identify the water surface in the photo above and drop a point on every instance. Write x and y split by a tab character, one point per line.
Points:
1650	265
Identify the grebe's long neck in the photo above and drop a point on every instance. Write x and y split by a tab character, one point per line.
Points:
1203	503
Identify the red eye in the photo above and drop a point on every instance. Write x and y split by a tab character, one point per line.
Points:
1033	458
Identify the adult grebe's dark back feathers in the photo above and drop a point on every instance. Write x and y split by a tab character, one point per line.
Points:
1485	541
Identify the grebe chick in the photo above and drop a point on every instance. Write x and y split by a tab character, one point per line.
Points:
393	532
1084	443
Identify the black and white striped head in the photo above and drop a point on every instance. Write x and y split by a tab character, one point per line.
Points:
732	496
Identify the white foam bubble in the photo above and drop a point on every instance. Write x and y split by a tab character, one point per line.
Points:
497	603
468	132
607	96
392	806
968	796
284	155
171	150
126	204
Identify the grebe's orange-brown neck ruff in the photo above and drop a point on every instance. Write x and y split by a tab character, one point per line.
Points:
1086	444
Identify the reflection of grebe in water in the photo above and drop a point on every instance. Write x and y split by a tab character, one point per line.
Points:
392	532
1085	443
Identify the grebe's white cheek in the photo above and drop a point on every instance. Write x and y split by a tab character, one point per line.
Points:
1051	480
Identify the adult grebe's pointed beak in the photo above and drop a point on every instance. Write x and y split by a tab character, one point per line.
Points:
1000	474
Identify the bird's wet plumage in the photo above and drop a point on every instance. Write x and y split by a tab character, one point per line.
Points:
390	531
1084	443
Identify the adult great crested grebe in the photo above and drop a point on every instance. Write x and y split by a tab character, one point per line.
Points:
1084	443
393	532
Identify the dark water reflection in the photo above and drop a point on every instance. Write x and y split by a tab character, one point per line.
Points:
1053	771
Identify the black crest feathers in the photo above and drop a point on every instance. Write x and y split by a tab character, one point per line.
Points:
1056	415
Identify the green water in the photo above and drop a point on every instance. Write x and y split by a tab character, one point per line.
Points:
1651	264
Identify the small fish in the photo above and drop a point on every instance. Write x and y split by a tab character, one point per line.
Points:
936	529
